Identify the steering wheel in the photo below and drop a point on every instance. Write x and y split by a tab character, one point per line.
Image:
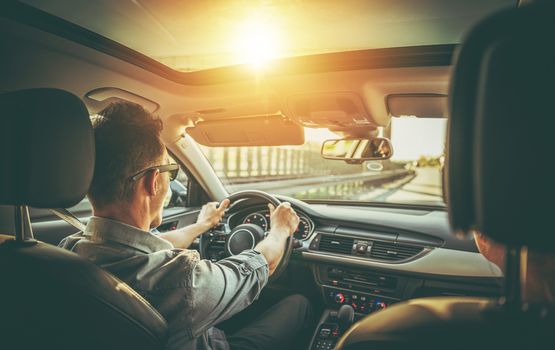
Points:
244	236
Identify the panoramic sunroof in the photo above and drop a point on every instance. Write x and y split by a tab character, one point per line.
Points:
196	34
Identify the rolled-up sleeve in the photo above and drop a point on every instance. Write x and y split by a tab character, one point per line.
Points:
221	289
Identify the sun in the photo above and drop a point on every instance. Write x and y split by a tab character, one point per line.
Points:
257	41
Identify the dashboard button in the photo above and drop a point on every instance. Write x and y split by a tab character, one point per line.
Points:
362	308
325	332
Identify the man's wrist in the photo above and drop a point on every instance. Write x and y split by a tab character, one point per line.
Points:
280	231
203	226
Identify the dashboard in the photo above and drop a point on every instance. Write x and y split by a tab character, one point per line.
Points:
371	257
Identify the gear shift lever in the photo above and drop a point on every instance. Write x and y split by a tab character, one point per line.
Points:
345	315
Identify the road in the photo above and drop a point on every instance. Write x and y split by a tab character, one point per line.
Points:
425	187
322	183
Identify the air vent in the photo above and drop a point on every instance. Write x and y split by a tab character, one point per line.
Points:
393	251
336	244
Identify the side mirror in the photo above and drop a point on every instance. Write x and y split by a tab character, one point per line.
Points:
356	151
177	195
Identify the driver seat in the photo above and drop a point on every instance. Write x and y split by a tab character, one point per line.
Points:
52	298
497	182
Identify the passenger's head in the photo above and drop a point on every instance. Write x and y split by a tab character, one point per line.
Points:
491	250
128	141
540	269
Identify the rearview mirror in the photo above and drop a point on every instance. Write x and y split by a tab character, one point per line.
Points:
357	150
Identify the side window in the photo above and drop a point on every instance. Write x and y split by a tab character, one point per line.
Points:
177	193
82	207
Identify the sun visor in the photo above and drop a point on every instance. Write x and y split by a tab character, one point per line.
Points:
257	131
419	105
330	110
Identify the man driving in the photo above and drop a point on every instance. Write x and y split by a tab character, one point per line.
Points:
131	178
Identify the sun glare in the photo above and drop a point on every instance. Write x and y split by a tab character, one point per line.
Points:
319	135
414	137
257	41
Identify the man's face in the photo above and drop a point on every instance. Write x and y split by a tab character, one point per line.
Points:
162	187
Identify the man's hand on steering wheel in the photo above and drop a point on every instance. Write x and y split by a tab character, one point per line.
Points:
284	222
283	218
276	246
211	213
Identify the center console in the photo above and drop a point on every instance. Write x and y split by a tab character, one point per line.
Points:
365	291
331	326
361	291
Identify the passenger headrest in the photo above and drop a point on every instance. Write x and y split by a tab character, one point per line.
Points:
47	148
501	139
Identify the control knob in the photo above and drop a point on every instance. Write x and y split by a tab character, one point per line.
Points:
339	298
380	305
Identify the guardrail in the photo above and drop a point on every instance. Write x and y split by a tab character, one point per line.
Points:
290	186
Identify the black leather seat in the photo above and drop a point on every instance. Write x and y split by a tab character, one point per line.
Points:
51	298
498	181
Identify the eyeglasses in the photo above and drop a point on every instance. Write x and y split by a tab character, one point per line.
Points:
172	168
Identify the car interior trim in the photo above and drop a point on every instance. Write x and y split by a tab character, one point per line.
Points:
197	164
438	261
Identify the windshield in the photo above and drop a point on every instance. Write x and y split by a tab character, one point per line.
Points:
411	176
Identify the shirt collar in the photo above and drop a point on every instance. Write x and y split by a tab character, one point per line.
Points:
116	231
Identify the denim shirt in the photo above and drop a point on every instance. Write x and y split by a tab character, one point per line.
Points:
192	294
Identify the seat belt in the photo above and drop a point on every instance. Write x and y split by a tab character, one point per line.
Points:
68	217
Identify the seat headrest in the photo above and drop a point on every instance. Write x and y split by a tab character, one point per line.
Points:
47	148
500	142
